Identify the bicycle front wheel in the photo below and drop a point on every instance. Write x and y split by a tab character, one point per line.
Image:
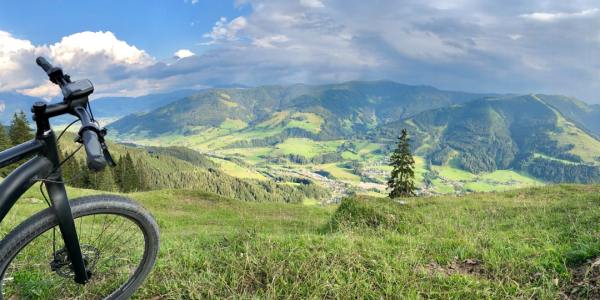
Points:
119	241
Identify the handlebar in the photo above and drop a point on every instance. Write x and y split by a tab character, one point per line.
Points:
76	102
42	62
92	138
95	158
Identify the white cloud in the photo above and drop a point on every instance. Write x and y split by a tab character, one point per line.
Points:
98	55
422	45
46	90
312	3
271	41
88	47
11	46
14	52
515	37
551	17
183	53
226	31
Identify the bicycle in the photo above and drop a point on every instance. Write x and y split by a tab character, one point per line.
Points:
107	245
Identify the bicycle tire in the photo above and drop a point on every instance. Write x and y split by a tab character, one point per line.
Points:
19	238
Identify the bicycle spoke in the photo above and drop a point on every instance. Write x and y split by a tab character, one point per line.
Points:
112	245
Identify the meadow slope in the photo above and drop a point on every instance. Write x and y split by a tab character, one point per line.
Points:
526	243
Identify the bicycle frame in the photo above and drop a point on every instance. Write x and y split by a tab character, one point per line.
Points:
44	166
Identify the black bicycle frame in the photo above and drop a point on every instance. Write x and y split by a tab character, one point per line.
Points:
44	166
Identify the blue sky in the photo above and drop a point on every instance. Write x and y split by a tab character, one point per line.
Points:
159	27
140	47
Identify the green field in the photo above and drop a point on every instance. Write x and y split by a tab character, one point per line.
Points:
306	147
236	170
452	180
445	179
527	244
338	172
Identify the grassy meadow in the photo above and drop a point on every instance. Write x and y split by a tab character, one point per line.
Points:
532	243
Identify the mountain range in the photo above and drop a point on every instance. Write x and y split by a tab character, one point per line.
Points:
344	132
104	107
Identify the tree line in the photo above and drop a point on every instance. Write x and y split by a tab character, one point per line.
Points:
18	132
125	177
140	169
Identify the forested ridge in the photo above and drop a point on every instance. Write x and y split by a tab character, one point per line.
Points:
522	133
154	168
301	128
479	133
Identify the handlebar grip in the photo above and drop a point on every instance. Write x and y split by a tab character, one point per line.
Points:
95	156
42	62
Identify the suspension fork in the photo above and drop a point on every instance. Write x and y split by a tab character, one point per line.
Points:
62	210
60	203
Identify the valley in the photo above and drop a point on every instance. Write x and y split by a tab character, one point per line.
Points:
340	136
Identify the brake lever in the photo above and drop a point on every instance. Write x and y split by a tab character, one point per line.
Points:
107	156
109	159
101	133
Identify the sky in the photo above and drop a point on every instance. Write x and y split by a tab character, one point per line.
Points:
138	47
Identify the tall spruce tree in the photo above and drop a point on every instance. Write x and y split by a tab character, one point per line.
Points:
20	131
402	180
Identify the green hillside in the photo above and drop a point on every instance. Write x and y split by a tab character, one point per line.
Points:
577	111
337	110
340	136
535	243
181	168
520	133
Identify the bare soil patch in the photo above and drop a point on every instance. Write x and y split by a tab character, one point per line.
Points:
585	283
470	266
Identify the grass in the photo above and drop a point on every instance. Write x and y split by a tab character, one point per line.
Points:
499	180
278	117
585	146
442	187
306	147
508	176
449	180
308	121
233	124
453	173
338	172
233	169
517	244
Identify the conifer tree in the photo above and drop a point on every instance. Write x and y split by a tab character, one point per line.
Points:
103	181
141	169
401	182
84	176
126	175
5	141
71	170
20	130
133	176
117	172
